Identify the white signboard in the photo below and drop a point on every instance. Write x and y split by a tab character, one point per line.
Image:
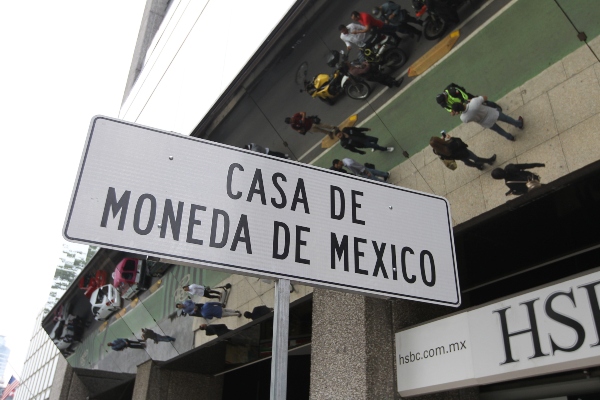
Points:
545	331
158	193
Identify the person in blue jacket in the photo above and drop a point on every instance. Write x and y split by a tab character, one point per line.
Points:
215	310
120	344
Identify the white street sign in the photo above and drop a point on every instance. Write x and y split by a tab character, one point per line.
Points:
159	193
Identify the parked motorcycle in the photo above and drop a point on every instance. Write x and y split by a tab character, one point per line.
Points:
435	24
364	70
382	51
327	87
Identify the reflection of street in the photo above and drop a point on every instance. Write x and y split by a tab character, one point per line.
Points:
150	311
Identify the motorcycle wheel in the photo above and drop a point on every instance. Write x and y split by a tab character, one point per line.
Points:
358	90
395	58
324	100
434	28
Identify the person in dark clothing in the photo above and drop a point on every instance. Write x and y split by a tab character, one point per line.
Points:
121	344
516	178
334	168
258	312
353	138
456	149
302	123
188	307
216	329
150	334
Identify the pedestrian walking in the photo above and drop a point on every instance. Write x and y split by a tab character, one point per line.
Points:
455	149
302	124
458	94
188	307
150	334
265	150
216	329
517	179
258	312
360	170
476	111
120	344
215	310
200	290
353	138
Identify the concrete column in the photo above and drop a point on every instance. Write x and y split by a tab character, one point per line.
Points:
352	347
154	383
66	384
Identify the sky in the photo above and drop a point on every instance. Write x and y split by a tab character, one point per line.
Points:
62	63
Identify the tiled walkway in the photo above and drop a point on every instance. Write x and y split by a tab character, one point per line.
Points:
561	108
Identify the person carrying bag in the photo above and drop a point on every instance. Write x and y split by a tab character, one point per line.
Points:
451	148
517	179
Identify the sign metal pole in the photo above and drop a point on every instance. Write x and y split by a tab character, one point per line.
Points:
279	352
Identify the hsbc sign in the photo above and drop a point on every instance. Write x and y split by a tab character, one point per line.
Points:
549	330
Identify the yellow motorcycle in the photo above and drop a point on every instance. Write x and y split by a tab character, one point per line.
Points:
327	87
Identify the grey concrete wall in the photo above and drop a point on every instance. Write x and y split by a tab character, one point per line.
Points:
77	390
154	383
352	350
59	378
66	384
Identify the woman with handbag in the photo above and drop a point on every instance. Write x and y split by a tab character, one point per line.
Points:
517	179
455	149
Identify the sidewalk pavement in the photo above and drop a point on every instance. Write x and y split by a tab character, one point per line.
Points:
561	109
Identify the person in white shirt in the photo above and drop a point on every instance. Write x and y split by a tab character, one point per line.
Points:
200	290
475	111
360	170
350	38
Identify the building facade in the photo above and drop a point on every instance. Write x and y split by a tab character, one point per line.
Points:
527	265
40	365
4	353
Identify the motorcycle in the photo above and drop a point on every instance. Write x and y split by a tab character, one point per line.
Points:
382	51
327	87
366	70
435	25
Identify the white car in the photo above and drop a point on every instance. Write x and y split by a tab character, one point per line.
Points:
105	301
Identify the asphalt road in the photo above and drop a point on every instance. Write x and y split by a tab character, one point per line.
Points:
260	115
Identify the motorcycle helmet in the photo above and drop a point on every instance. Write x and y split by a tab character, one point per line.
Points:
376	11
441	99
333	58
